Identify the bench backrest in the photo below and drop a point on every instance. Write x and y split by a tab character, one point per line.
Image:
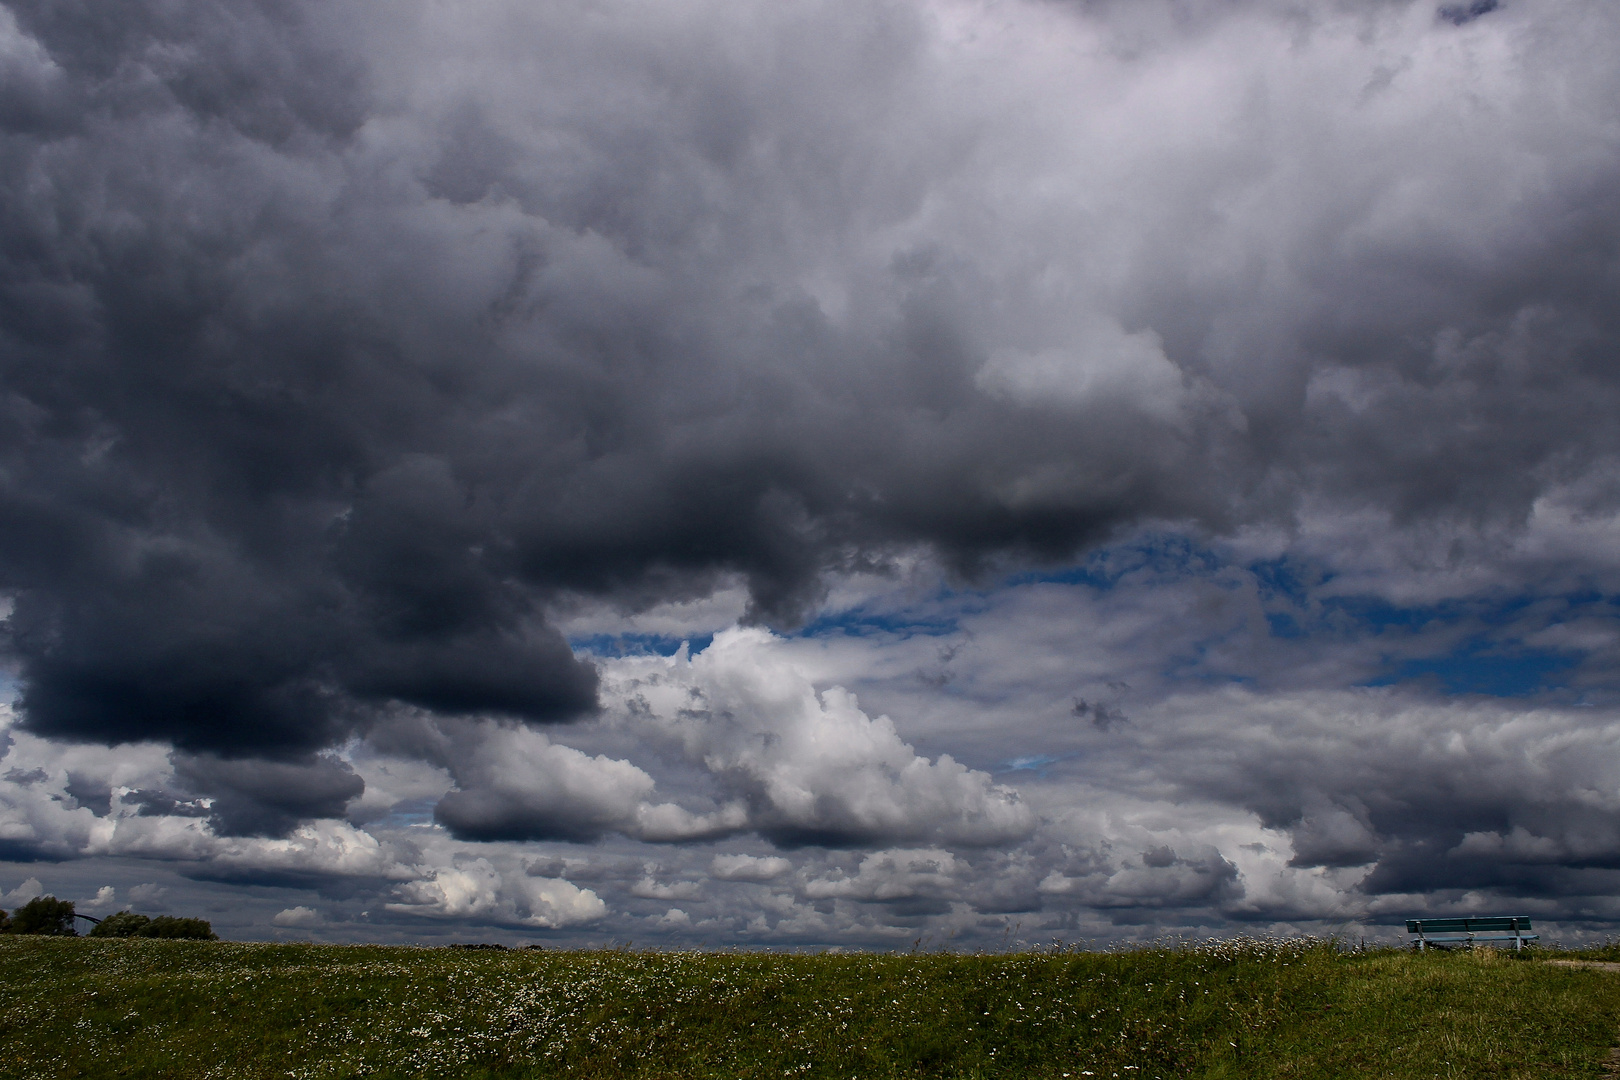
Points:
1509	923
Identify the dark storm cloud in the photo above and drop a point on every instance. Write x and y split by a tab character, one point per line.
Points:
1428	797
89	792
267	798
248	495
23	851
152	802
338	341
516	785
1458	14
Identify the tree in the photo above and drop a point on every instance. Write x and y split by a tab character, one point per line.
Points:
126	924
129	924
123	924
45	915
5	922
166	926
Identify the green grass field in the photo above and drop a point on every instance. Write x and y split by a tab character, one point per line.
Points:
144	1008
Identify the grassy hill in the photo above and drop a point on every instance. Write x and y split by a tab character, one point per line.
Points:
144	1008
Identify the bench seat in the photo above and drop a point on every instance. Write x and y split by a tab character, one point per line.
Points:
1514	928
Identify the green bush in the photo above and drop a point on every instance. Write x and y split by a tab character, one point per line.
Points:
5	922
167	926
45	915
127	924
123	924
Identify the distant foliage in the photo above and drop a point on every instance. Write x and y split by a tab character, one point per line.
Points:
123	924
165	926
5	922
127	924
45	915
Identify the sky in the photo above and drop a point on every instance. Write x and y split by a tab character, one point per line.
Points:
868	474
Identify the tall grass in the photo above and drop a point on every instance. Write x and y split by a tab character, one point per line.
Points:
1249	1008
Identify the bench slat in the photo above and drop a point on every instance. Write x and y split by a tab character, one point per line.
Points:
1465	926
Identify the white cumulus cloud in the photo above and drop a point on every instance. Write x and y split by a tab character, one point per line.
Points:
811	766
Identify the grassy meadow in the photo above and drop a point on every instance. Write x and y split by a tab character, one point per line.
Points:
178	1009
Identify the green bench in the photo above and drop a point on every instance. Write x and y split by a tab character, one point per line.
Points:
1446	932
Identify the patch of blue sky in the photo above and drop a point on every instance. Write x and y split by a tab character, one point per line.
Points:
1291	591
1477	642
1372	614
409	813
1490	659
1158	556
1283	624
1149	558
612	646
1478	668
1288	579
1291	588
938	618
1501	612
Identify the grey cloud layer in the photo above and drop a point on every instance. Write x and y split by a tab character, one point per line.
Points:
351	352
340	340
1283	808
